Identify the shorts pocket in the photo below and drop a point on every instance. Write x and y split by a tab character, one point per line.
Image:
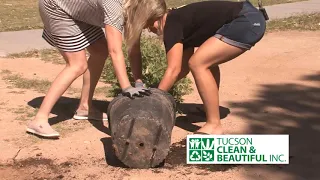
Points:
248	28
257	21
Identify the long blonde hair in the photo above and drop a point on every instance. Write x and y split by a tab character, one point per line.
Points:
138	13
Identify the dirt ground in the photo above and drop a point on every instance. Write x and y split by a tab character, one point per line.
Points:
272	89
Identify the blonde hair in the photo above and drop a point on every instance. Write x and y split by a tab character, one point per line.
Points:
138	14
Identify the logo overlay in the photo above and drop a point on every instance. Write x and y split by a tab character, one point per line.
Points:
237	149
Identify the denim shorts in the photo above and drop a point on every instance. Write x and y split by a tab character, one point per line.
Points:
245	30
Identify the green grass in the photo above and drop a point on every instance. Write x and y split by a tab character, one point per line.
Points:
48	55
52	56
24	113
19	15
38	85
273	2
20	82
102	91
24	14
67	127
310	22
17	92
3	105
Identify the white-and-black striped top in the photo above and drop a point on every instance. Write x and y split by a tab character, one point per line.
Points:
95	12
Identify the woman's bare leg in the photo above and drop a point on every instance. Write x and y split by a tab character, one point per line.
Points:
210	54
215	70
75	67
98	55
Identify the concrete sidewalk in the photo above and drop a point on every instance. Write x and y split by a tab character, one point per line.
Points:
20	41
289	9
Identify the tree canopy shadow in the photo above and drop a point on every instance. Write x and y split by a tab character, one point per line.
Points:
294	109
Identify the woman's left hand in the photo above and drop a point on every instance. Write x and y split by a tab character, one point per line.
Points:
174	58
139	84
136	61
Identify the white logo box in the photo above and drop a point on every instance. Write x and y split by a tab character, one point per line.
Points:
235	149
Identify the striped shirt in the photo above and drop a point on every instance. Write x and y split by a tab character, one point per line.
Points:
95	12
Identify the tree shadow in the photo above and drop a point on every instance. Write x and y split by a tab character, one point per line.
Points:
65	107
194	113
294	109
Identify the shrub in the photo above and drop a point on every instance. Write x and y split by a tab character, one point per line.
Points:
153	68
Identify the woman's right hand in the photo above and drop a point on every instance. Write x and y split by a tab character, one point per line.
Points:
114	39
136	91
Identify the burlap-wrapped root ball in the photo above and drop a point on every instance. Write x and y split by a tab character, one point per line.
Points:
141	128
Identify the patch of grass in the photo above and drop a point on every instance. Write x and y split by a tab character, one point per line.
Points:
17	92
102	91
66	127
2	105
307	22
24	113
274	2
5	71
47	55
28	116
19	110
19	15
20	82
38	85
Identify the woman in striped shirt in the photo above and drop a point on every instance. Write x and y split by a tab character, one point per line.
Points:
75	25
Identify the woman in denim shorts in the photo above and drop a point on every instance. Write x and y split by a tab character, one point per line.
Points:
221	31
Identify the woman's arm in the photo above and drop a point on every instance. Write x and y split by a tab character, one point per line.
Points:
114	39
174	58
135	61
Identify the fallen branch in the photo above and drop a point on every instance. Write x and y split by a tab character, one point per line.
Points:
14	158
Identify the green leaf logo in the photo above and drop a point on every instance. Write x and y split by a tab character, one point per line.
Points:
207	156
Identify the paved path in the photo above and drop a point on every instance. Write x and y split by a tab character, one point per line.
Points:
289	9
19	41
